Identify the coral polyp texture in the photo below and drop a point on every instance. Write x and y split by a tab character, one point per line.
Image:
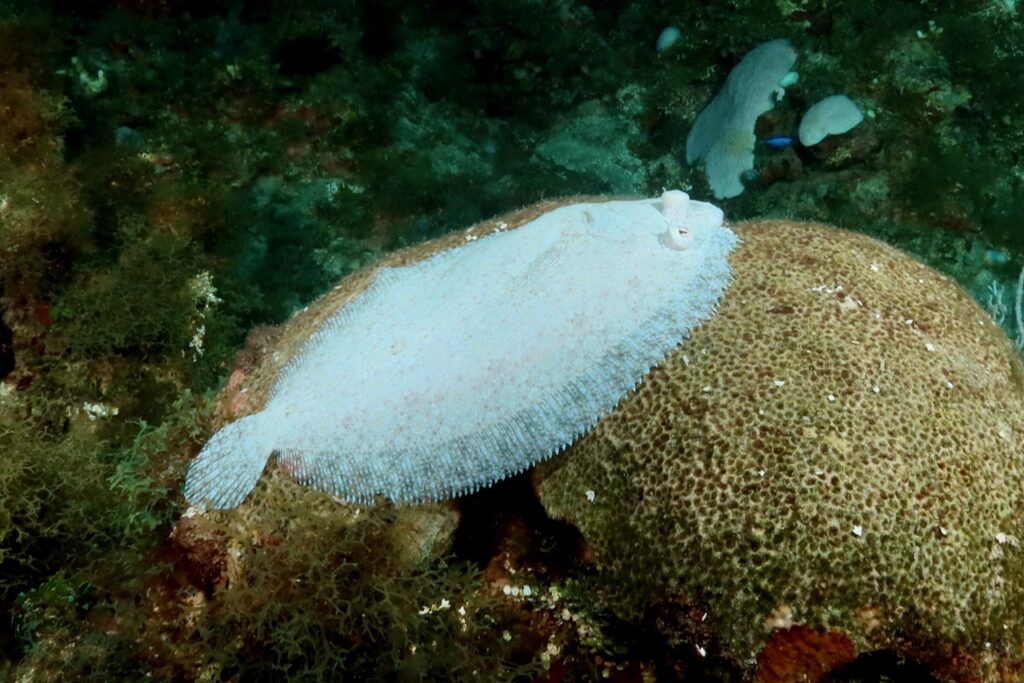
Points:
447	373
840	446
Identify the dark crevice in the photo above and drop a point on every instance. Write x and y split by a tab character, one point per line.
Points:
379	20
306	56
879	666
6	349
508	517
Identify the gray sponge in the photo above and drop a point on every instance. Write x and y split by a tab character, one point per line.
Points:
833	115
723	135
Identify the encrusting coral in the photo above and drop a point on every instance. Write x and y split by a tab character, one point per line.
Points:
840	446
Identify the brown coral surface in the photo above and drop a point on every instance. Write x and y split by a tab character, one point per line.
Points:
840	446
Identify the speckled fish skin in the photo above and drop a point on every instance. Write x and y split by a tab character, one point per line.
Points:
477	362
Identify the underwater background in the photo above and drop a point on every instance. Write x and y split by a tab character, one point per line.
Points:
177	176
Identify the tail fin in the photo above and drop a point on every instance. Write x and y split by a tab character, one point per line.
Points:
230	464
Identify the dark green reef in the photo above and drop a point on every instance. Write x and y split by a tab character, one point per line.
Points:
178	178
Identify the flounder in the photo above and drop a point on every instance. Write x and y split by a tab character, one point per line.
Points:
476	362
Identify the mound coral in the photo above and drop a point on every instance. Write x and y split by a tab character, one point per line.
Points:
840	446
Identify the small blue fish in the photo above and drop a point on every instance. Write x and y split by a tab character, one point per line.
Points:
778	141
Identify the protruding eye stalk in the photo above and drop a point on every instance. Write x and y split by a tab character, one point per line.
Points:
674	238
684	217
674	207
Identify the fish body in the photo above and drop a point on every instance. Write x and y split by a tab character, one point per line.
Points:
450	373
778	141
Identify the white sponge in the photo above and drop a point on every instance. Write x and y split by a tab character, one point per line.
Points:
833	115
723	135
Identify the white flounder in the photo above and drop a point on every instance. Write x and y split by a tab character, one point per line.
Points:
477	362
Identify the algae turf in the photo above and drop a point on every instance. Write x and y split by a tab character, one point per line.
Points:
307	593
342	605
82	504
